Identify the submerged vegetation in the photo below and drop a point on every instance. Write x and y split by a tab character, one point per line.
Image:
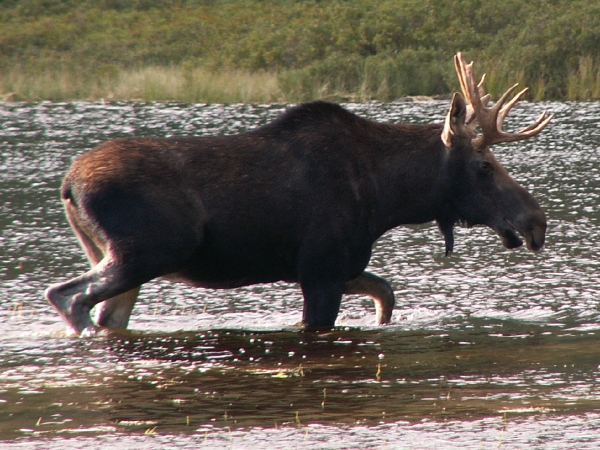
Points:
293	50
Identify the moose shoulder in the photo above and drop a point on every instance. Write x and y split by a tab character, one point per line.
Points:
301	199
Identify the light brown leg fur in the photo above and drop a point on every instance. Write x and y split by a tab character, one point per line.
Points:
377	288
74	299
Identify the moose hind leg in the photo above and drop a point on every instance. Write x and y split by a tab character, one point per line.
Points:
75	298
115	312
377	288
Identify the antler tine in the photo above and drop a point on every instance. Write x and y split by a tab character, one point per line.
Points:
459	65
474	92
472	95
506	108
527	132
485	98
538	125
465	76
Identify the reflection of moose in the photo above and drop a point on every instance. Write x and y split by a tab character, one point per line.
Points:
301	199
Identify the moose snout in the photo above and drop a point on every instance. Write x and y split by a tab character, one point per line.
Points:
535	230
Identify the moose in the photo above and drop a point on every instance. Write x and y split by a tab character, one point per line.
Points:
301	199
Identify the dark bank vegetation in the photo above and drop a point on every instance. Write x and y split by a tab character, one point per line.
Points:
284	50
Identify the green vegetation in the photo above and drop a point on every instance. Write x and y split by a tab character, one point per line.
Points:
293	50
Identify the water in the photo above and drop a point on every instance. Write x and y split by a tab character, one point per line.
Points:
489	348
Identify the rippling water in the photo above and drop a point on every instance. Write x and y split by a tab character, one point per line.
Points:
489	348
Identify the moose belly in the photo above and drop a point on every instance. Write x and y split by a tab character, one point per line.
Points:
222	271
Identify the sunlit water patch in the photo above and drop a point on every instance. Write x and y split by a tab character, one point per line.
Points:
487	348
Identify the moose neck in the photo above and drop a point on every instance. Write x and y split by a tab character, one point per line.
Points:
412	177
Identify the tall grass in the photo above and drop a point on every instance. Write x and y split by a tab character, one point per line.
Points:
584	82
175	83
354	78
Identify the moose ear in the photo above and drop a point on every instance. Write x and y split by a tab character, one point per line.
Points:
454	127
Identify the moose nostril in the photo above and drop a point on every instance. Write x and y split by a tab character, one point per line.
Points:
536	238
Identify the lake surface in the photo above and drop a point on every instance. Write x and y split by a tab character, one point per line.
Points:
488	348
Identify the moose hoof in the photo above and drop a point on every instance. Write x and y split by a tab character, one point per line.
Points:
71	310
89	331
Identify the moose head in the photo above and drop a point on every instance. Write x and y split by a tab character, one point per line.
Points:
483	192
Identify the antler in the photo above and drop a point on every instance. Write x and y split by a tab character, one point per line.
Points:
491	119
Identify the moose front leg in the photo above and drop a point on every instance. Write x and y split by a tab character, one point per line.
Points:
321	304
378	289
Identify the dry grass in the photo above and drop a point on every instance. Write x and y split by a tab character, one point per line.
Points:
179	83
584	83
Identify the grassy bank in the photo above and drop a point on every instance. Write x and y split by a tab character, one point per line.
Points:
293	50
198	85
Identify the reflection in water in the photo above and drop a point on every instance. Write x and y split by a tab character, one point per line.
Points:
231	380
487	348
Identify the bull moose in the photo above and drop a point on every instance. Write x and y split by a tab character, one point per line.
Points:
301	199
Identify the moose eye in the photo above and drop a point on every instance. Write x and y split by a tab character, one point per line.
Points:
485	166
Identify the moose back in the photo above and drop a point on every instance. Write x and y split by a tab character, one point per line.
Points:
301	199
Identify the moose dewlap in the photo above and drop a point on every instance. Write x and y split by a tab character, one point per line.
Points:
301	199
